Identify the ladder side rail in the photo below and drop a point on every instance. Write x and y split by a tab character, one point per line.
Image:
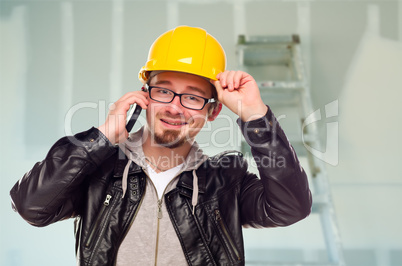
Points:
320	178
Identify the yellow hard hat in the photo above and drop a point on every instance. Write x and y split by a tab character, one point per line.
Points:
185	49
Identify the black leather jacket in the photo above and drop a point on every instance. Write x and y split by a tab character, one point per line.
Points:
81	177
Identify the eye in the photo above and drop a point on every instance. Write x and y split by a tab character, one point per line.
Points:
192	98
163	91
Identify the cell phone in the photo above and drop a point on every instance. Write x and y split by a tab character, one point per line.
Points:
133	115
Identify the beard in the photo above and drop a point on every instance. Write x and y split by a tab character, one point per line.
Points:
170	139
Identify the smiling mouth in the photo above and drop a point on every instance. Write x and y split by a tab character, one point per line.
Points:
174	123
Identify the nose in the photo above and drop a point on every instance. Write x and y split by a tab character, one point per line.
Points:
175	106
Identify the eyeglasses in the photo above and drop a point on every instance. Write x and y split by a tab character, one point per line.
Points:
187	100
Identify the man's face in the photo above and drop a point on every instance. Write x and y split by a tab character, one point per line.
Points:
171	124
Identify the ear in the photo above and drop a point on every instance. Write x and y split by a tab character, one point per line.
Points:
215	112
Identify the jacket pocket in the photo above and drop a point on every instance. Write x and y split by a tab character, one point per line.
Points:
98	221
227	238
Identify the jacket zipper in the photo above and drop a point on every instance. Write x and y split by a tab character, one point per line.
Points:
159	212
226	233
157	230
98	220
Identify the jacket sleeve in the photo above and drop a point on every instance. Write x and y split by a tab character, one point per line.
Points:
53	190
281	196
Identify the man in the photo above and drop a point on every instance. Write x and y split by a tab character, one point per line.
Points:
153	198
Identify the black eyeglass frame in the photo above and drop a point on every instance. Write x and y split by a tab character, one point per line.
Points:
206	100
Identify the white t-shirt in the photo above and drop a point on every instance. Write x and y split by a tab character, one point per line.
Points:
162	179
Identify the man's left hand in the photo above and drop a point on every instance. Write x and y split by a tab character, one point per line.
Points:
238	91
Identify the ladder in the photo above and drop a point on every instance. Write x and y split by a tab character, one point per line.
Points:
276	64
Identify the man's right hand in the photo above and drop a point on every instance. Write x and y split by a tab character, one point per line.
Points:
114	127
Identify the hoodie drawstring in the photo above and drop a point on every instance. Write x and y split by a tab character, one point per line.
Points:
125	177
194	200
